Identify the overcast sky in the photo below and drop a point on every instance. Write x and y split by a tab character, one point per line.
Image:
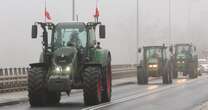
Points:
18	49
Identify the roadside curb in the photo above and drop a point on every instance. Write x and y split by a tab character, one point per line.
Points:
13	102
6	102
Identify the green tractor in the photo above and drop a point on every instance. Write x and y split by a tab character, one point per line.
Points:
155	63
185	60
70	60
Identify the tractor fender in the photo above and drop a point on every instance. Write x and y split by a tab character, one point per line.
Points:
32	65
100	57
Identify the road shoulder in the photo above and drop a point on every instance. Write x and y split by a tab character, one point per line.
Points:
20	97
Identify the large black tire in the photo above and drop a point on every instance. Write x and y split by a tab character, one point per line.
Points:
193	71
170	77
37	87
92	85
170	72
107	84
53	98
166	78
167	74
175	73
142	77
174	69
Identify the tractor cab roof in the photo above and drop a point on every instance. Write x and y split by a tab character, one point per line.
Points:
77	24
183	44
71	24
156	47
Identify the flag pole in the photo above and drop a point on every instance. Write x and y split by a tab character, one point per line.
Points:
73	10
45	11
137	32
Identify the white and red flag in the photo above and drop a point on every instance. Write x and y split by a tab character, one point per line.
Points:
97	13
46	13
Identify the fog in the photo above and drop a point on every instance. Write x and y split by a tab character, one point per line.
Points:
189	19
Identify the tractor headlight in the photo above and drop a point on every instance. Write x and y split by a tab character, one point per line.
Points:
180	61
68	69
154	66
150	66
58	69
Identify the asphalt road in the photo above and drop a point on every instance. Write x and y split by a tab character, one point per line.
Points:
184	94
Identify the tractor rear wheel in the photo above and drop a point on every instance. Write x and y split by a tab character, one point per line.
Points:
54	98
175	73
107	84
193	71
167	77
37	87
170	77
142	77
92	85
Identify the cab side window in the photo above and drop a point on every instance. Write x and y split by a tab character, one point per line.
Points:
164	54
92	37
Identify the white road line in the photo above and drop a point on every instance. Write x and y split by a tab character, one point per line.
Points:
132	97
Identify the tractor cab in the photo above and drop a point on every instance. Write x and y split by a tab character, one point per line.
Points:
69	35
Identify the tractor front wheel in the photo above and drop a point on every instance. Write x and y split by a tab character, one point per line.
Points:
37	87
142	77
54	98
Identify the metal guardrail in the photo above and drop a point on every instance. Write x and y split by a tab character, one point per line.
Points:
15	79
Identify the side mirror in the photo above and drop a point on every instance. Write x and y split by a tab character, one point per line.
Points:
139	50
102	31
34	31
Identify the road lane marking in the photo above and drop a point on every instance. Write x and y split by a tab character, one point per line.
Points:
136	96
152	87
132	97
181	81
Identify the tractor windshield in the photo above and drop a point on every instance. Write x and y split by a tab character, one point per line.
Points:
70	35
182	52
153	55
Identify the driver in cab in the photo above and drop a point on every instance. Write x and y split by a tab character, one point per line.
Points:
74	40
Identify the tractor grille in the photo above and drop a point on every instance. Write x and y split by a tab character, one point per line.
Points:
63	60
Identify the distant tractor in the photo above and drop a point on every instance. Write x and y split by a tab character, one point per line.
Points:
70	60
155	63
185	60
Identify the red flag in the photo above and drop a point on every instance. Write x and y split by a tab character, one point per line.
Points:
47	15
97	13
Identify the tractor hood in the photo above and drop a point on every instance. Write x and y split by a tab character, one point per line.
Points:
152	61
64	56
181	56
